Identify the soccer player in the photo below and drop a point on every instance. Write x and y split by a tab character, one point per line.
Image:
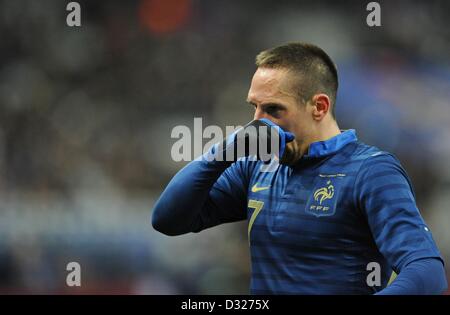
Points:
331	208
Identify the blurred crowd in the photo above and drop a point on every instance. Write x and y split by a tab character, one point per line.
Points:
86	115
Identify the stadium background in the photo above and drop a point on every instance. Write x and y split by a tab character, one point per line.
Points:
86	116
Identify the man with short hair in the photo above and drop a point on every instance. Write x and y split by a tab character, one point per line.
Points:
330	207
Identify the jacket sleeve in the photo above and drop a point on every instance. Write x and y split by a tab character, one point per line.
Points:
201	195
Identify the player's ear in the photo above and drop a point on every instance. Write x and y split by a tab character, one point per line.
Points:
321	105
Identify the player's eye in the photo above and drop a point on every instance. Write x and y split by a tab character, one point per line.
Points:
273	110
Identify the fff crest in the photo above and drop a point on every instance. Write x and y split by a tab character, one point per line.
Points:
322	201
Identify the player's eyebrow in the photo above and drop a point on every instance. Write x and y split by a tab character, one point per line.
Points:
267	104
273	105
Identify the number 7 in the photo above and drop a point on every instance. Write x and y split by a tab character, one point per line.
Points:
257	205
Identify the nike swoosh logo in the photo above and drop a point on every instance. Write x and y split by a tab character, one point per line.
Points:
255	188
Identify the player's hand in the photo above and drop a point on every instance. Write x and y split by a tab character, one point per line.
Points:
259	138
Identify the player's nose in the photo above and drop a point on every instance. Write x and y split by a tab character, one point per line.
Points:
259	114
